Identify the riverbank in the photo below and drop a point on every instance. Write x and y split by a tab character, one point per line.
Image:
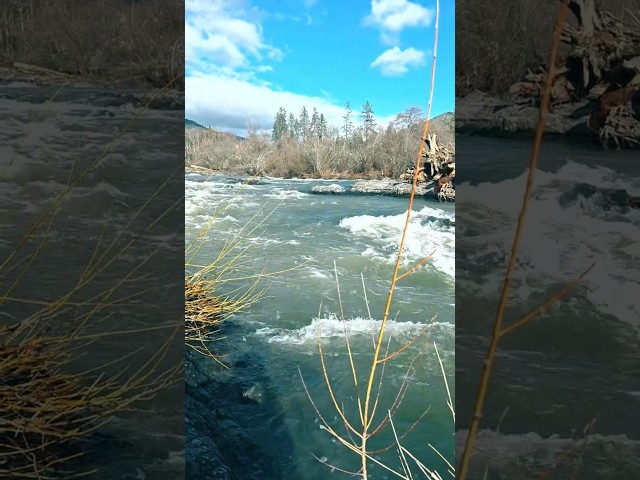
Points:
481	113
346	186
50	84
217	447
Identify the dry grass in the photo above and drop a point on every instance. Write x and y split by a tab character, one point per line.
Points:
360	432
120	42
50	397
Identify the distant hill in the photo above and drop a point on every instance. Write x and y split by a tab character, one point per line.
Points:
447	116
191	124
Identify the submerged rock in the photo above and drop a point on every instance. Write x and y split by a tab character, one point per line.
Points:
217	446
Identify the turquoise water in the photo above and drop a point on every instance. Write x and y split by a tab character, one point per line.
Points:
279	336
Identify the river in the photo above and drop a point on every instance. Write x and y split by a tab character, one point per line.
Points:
304	234
49	136
579	361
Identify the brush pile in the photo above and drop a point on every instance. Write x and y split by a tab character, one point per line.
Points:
440	167
602	67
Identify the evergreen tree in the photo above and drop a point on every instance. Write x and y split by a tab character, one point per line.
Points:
369	120
293	127
323	128
315	123
280	127
304	123
347	125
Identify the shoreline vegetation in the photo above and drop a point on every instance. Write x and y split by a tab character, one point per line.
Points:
125	44
596	93
306	148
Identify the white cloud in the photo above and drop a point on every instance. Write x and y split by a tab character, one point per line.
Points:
226	54
229	103
310	3
395	62
218	32
393	16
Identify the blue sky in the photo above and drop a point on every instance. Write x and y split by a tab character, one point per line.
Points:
247	58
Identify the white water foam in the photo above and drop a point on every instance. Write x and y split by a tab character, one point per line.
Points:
515	451
427	234
565	241
286	194
333	327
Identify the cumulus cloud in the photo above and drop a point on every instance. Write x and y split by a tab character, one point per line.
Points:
230	103
217	32
395	62
393	16
226	55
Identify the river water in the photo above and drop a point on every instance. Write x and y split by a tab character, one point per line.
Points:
303	234
49	136
579	361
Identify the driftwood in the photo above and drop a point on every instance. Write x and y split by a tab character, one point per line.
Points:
603	65
439	165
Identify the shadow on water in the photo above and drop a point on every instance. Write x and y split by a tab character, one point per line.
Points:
234	424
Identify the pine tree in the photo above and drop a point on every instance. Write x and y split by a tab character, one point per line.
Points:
280	127
347	126
315	123
304	124
293	127
323	128
369	120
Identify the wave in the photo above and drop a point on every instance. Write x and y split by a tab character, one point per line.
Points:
286	194
333	327
430	230
580	216
527	455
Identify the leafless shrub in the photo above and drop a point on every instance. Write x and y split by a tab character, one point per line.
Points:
124	42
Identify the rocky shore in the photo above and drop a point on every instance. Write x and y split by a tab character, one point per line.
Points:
482	113
384	186
217	445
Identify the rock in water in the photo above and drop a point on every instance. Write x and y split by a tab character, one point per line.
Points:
386	186
334	188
